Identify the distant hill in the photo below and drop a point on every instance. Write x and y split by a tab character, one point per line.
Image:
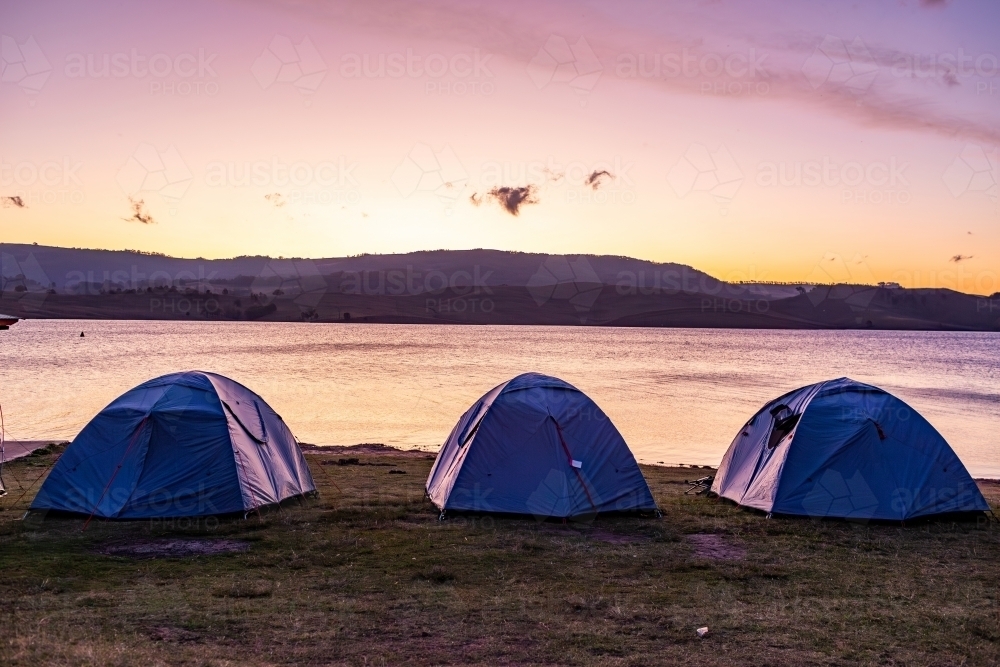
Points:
454	286
125	269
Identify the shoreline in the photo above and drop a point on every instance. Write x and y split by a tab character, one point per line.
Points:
375	449
18	449
838	307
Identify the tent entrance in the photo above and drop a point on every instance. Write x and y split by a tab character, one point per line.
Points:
784	422
575	465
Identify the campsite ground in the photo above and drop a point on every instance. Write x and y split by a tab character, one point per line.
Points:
366	575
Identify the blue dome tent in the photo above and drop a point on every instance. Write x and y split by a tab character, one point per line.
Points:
182	445
845	449
537	445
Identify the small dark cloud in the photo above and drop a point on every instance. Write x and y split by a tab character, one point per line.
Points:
594	180
139	212
276	199
511	199
960	258
553	176
934	3
12	201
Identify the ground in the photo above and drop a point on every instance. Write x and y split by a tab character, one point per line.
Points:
365	574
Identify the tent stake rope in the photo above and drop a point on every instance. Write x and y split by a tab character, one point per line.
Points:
3	437
135	439
3	452
30	486
325	471
329	478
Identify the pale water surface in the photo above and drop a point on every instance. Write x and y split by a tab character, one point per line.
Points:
677	395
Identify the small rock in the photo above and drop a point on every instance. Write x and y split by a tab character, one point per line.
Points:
702	631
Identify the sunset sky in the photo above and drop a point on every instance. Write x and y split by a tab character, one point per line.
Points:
755	141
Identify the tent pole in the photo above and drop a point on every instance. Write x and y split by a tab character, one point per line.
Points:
3	452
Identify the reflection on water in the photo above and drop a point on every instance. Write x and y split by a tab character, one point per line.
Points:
677	395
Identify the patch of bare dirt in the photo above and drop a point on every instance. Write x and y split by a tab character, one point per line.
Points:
367	448
598	534
714	547
168	634
174	548
602	535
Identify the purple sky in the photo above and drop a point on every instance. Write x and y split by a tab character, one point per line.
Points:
766	140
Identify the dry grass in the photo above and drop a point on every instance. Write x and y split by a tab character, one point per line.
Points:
366	575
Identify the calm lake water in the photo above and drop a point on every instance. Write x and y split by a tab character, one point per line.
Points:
677	395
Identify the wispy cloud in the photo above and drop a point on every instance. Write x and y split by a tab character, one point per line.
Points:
508	32
594	180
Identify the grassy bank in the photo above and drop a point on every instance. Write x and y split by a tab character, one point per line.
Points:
366	575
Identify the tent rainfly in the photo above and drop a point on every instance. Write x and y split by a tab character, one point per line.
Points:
845	449
182	445
537	445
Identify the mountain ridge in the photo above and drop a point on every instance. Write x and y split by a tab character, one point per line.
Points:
479	286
